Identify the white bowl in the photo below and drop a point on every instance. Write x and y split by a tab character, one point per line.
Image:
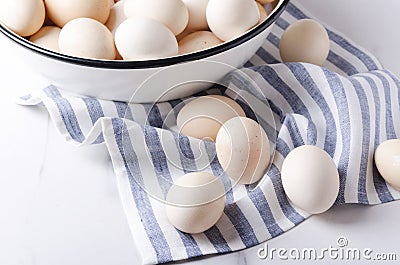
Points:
120	80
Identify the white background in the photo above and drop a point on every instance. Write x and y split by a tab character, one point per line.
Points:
60	205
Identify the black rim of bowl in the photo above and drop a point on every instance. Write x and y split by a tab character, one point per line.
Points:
115	64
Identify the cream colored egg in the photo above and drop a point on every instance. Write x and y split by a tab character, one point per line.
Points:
145	39
24	17
203	117
197	15
198	41
195	202
305	41
172	13
229	19
62	11
263	12
310	179
47	37
88	38
117	16
387	160
243	150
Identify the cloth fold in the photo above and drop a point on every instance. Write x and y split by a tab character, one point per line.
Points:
348	107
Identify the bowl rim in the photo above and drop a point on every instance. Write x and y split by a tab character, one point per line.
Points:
163	62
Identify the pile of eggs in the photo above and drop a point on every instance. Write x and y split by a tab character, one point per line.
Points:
242	148
131	29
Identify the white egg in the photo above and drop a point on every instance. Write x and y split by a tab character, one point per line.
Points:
88	38
229	19
305	41
47	37
203	117
117	16
197	14
387	160
145	39
195	202
62	11
198	41
24	17
172	13
310	179
243	150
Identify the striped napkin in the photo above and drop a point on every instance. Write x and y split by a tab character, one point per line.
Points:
348	107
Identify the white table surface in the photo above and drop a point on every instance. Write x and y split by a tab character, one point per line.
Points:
60	205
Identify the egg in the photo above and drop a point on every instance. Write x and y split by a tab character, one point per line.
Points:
243	150
24	17
172	13
195	202
387	160
145	39
47	37
117	16
305	41
198	41
229	19
263	12
197	14
310	179
62	11
203	117
88	38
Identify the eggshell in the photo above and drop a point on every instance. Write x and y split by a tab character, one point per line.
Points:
263	12
229	19
305	41
24	17
197	14
198	41
117	16
243	150
195	202
203	117
145	39
310	179
86	37
172	13
387	160
62	11
47	37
